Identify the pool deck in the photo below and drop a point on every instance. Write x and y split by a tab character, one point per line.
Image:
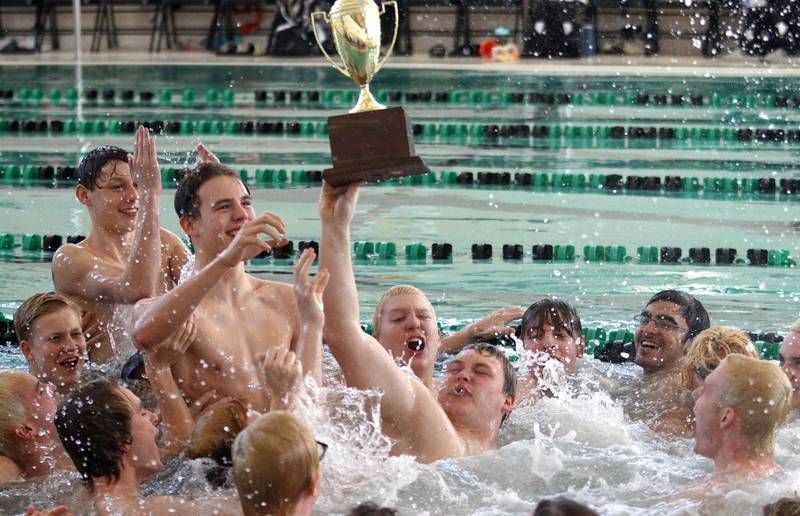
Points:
736	64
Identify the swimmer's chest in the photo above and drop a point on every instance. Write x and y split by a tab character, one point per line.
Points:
253	327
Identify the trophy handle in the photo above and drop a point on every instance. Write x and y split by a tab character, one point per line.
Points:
394	37
314	28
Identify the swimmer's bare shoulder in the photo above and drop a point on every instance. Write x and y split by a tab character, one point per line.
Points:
278	297
72	264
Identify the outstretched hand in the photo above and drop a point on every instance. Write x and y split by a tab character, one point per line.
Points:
337	204
144	162
495	323
307	292
247	243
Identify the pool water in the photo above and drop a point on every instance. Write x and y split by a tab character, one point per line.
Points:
584	445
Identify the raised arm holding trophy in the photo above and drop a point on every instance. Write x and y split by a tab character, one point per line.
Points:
372	142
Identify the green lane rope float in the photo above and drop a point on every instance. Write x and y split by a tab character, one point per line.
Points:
555	135
333	98
40	247
761	188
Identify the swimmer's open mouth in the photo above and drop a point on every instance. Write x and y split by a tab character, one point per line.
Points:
649	345
70	362
461	391
416	345
131	212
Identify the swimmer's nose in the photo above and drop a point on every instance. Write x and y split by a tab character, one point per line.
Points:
239	212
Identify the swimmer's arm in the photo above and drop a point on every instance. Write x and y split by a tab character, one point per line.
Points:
491	326
673	422
175	414
177	252
308	296
154	320
364	362
337	206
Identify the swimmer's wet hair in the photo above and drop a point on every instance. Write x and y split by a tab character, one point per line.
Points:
187	202
556	313
371	509
92	164
692	311
562	507
760	394
710	347
796	326
15	412
36	306
93	423
215	431
275	459
397	290
786	506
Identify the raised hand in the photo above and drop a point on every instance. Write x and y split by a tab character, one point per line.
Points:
144	162
308	293
247	243
337	204
283	372
205	155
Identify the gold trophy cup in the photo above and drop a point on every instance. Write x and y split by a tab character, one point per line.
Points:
372	142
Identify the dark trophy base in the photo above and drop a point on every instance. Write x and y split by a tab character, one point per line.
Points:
371	146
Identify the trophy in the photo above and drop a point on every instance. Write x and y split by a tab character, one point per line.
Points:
372	142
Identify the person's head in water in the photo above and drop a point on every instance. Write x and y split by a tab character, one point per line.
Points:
404	322
212	203
786	506
108	190
790	360
48	327
553	327
667	326
562	507
480	386
216	429
106	431
276	466
26	426
707	351
741	404
371	509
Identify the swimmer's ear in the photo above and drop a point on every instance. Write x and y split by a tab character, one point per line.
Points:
509	403
82	194
687	346
728	417
25	347
580	346
314	485
188	225
25	431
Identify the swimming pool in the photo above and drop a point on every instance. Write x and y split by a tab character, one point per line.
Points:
596	454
